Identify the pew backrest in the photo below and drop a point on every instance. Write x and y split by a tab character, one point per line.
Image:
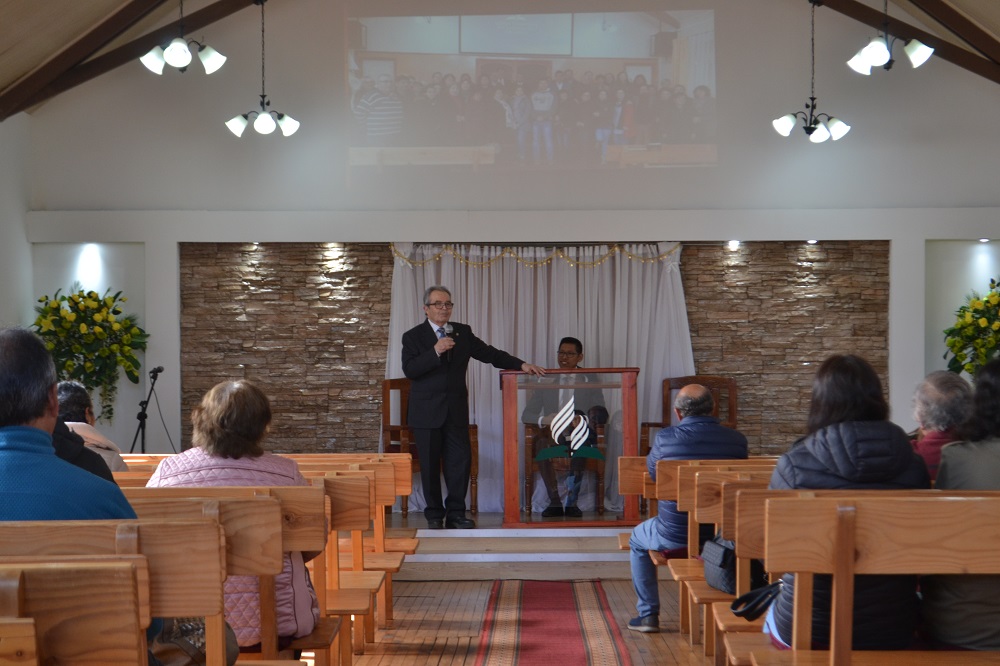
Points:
84	614
888	534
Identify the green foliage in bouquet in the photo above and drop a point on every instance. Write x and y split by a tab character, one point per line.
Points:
90	339
974	338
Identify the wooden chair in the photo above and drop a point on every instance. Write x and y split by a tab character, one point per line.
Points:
398	438
74	613
531	466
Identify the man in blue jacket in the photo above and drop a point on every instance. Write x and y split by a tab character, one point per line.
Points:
697	436
34	483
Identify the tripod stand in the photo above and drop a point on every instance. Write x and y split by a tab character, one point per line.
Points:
141	430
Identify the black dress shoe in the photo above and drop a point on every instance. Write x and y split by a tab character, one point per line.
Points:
459	523
437	524
553	511
573	512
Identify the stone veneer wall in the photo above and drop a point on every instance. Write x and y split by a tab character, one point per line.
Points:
309	322
768	314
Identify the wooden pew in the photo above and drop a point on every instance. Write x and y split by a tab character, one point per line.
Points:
260	523
372	570
675	480
750	542
632	476
396	540
74	613
349	509
725	621
18	641
875	535
707	509
186	561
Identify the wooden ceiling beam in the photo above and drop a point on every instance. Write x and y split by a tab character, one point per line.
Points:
85	71
960	26
942	49
71	55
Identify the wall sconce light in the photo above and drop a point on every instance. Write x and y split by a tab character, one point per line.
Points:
818	126
178	54
878	52
265	121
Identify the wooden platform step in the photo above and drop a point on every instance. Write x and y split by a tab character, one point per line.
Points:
536	553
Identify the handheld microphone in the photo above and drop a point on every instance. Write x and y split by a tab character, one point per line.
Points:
157	370
448	328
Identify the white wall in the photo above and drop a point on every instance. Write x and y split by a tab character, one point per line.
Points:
954	269
57	266
132	157
16	300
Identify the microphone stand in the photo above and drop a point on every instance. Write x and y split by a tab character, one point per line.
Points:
141	430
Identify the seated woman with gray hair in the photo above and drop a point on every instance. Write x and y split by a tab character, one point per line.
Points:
941	404
77	410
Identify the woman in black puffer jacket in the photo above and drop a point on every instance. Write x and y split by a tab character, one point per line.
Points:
852	445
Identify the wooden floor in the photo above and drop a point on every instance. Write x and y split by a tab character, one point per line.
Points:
438	622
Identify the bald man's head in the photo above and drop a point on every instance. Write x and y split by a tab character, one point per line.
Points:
694	400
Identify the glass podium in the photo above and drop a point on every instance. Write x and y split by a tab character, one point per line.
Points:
562	436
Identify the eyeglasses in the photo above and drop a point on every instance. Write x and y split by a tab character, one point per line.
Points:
441	306
562	353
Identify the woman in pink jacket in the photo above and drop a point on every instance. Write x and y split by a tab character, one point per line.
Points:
228	428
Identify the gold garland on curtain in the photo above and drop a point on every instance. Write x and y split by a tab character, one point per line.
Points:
513	253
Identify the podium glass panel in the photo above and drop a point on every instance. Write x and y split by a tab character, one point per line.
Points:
563	434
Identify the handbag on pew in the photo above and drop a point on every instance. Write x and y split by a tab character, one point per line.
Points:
755	603
718	556
182	643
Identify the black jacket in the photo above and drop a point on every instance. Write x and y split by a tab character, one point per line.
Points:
438	382
69	446
865	455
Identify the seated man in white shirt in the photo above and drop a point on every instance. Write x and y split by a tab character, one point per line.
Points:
542	407
77	410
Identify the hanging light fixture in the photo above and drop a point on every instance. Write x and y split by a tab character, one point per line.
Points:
177	53
265	121
818	126
878	52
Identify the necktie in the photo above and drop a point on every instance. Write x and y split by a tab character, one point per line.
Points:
440	332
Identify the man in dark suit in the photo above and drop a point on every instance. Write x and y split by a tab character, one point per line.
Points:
543	404
436	357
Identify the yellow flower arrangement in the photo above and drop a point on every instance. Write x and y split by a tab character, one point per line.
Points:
90	339
974	339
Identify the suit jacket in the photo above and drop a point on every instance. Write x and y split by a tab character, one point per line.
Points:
546	401
438	390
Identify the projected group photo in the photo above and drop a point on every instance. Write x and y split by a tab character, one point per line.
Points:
542	90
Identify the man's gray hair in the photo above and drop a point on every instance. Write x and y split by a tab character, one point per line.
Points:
942	401
27	375
694	405
434	287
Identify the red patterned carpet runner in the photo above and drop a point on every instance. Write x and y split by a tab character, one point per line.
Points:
549	623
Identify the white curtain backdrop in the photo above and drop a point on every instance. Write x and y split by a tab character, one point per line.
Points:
624	302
